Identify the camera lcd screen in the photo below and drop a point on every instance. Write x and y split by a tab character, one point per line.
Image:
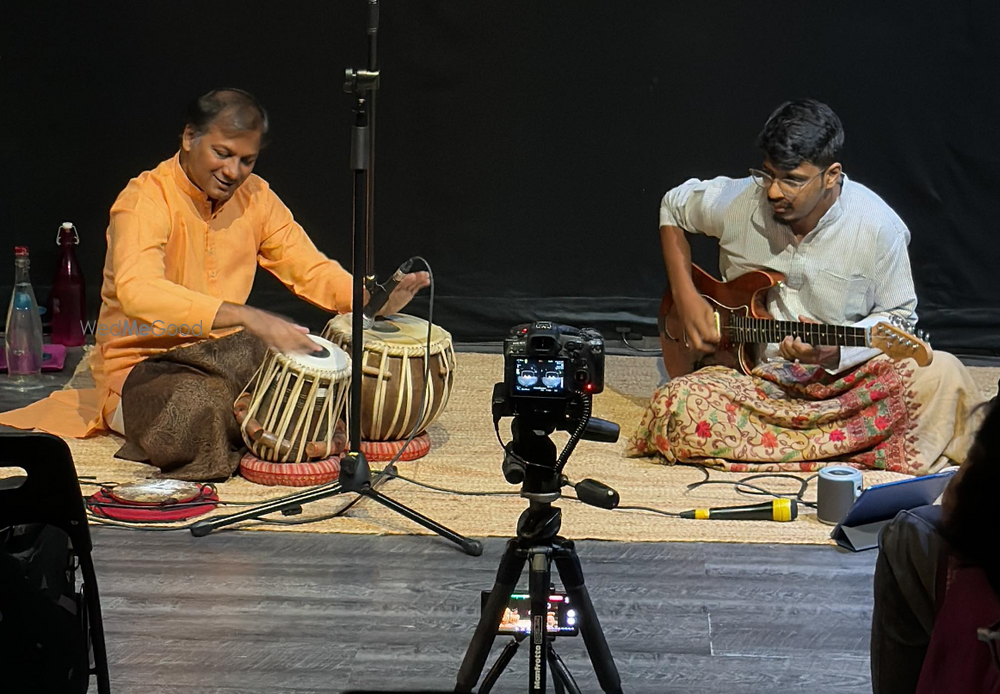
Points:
535	376
562	618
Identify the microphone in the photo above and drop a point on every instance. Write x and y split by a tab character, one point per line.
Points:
381	294
776	510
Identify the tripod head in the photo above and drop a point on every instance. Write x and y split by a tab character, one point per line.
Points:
530	457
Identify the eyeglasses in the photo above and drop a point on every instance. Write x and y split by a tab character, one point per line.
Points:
790	188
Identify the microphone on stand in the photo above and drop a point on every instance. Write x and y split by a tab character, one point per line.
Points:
381	293
776	510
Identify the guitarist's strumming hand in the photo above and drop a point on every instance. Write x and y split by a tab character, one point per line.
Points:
698	318
798	351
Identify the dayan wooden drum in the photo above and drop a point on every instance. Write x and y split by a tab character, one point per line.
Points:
394	357
293	404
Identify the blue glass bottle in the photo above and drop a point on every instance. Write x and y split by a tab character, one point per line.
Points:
23	334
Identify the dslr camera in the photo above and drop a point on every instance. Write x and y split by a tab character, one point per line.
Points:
550	373
548	367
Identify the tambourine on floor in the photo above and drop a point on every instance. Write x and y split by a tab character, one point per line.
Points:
293	413
153	501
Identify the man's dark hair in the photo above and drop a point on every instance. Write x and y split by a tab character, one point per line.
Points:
803	130
240	108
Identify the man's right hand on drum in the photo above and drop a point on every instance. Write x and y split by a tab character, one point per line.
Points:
274	331
286	337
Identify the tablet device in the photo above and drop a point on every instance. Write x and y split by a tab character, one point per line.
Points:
879	504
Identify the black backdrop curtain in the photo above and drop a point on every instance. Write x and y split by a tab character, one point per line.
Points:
522	147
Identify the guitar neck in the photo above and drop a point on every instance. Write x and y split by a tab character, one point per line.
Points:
756	330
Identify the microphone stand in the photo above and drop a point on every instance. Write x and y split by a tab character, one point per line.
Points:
355	473
370	173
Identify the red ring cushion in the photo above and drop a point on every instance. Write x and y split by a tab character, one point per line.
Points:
383	451
290	474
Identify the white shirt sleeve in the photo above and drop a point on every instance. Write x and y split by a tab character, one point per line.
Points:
697	206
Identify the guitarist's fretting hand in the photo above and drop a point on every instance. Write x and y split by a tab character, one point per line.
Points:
698	318
798	351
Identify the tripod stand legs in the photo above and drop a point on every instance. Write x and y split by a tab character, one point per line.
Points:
511	565
357	476
563	552
561	677
571	574
471	547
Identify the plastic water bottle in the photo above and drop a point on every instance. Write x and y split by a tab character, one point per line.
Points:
67	296
23	335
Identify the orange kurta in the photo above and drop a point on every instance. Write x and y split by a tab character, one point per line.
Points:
170	264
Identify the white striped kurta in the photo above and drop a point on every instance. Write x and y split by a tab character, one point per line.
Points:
852	269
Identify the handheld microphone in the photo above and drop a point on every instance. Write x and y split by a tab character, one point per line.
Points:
381	293
776	510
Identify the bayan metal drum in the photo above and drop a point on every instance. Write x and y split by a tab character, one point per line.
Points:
394	358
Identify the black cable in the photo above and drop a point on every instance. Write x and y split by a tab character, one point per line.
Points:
648	509
567	451
644	350
458	492
742	484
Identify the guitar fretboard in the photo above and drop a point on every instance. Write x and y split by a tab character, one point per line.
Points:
742	329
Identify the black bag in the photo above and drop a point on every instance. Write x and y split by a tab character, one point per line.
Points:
43	624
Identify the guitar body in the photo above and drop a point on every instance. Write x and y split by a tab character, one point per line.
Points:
744	296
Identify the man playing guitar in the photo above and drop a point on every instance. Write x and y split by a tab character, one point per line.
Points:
842	253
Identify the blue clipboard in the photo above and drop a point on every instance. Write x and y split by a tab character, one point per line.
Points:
879	504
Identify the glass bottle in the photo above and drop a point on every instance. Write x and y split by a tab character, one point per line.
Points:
67	298
23	334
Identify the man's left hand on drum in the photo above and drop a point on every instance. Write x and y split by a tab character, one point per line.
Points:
404	292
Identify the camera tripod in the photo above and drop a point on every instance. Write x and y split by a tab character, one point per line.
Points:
537	544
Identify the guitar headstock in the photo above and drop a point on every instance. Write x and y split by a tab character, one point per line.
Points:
899	344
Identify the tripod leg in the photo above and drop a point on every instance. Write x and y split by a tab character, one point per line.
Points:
571	573
556	682
539	587
204	527
506	655
511	565
471	547
560	673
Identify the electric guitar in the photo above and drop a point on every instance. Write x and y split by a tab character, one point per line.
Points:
742	321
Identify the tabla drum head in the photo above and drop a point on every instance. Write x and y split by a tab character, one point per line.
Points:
399	329
156	492
332	359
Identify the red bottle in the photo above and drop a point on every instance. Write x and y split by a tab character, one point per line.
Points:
69	308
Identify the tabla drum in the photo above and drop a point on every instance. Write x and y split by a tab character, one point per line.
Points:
294	403
394	358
